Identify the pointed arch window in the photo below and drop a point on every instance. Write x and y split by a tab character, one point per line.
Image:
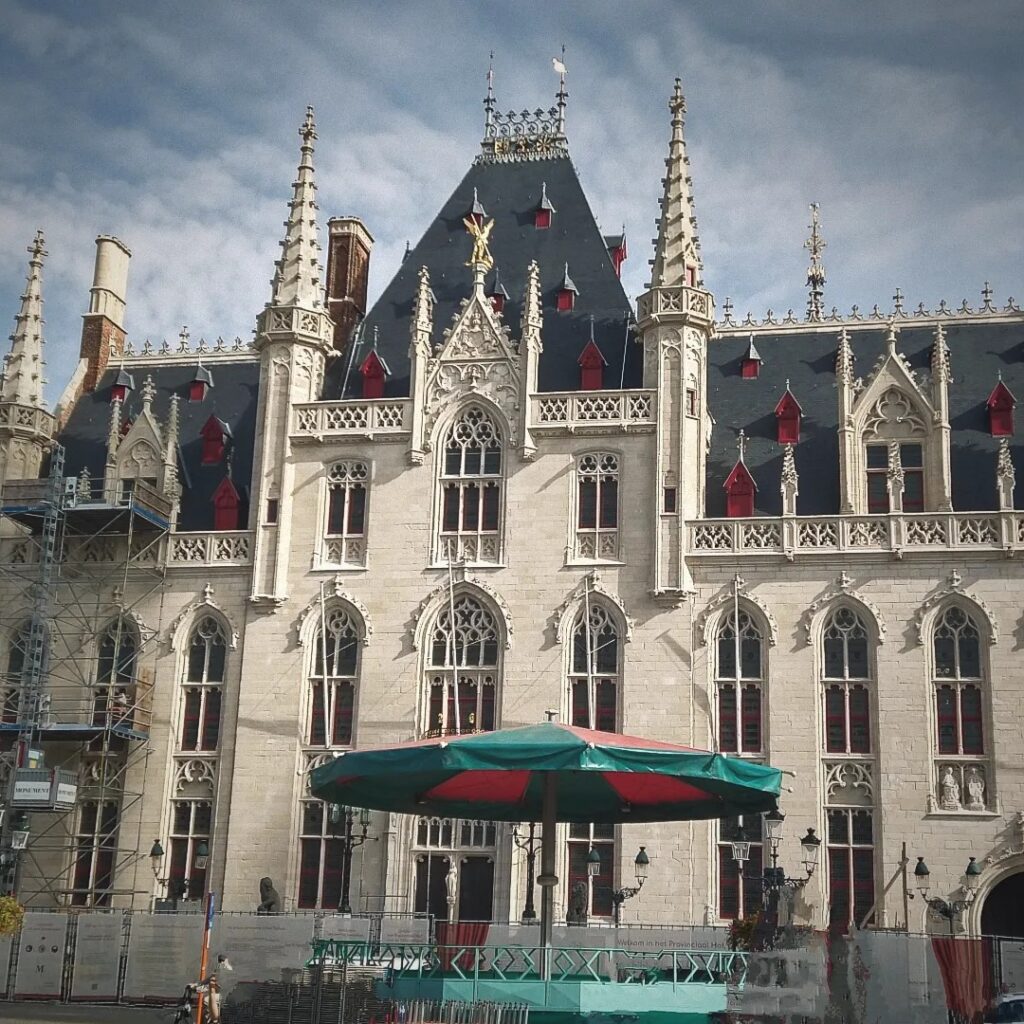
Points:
847	683
114	692
345	535
13	668
961	772
471	489
333	680
596	670
597	506
740	684
92	873
203	686
463	665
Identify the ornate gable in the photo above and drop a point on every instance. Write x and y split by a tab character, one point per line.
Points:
891	402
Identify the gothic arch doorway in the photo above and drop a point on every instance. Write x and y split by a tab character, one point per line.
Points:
1003	910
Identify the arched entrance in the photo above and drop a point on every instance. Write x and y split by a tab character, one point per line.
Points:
1003	910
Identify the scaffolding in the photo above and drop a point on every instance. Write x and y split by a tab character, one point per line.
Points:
76	564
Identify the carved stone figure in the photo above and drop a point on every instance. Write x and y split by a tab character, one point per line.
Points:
481	235
975	790
949	799
270	902
577	913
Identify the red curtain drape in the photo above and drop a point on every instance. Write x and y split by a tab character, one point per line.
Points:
966	966
452	938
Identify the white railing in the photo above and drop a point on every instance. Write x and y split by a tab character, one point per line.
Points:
316	420
221	548
895	533
593	410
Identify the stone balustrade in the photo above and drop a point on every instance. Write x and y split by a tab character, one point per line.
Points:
593	411
315	421
218	548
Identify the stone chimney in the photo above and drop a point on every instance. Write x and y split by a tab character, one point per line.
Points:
103	326
348	271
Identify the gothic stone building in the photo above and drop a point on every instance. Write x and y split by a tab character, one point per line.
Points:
503	491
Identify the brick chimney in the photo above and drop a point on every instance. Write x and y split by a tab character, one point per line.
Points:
348	271
103	326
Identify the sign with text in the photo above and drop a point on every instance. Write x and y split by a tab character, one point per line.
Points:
41	956
259	946
163	956
97	957
405	929
354	929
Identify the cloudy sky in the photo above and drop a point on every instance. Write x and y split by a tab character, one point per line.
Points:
174	126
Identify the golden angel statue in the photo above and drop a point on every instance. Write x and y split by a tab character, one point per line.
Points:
481	233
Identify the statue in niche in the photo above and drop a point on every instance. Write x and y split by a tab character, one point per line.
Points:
975	790
270	902
577	914
949	791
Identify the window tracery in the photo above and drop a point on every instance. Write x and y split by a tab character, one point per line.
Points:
345	529
333	679
740	684
597	506
203	686
595	671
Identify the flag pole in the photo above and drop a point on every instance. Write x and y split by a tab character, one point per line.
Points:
451	639
211	901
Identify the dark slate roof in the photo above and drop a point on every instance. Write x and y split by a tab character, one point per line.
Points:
511	193
978	351
233	400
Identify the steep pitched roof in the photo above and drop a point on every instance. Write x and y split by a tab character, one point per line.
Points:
510	192
233	400
808	359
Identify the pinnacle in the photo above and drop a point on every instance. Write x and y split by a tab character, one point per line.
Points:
22	381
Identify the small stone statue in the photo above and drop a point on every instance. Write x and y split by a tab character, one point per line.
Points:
270	902
975	790
577	914
949	800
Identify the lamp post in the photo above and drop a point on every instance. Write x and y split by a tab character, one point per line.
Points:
949	909
528	844
349	842
619	896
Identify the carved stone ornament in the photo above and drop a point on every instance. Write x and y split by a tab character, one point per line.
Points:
176	632
464	583
199	772
842	589
708	619
565	613
1013	848
952	589
333	591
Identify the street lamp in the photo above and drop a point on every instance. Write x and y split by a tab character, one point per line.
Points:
949	909
528	844
202	857
349	842
619	896
156	858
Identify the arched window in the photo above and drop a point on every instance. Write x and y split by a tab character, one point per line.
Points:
203	686
95	853
114	693
894	439
345	535
333	679
13	668
847	684
462	669
595	671
959	684
740	684
471	480
597	506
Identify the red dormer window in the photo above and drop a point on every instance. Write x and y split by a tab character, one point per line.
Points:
1000	410
226	506
214	433
374	372
496	293
787	416
542	215
118	393
739	492
123	383
202	381
618	254
477	211
750	368
567	292
592	365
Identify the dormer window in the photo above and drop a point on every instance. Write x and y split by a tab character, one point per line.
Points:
545	210
374	372
123	383
477	211
1000	410
787	416
226	505
567	292
496	293
739	486
616	246
215	434
750	369
202	381
591	364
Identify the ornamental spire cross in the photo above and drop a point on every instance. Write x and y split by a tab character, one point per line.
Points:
815	245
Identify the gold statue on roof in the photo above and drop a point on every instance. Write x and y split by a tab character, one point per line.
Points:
481	233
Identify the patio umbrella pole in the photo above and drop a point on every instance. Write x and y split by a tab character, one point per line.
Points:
548	879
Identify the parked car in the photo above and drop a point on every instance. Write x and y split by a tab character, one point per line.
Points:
1007	1009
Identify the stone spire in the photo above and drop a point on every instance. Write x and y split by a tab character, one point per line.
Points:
23	377
297	277
789	484
1006	478
844	358
940	357
816	271
677	245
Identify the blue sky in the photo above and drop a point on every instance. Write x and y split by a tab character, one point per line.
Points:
174	126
